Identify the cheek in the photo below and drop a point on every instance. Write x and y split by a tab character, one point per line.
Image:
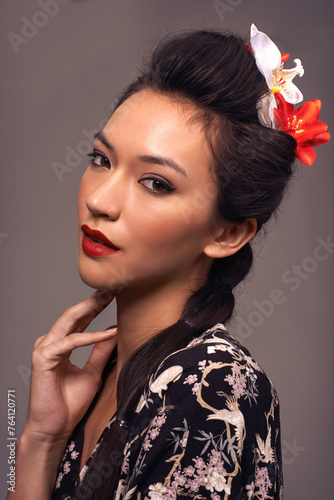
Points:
168	228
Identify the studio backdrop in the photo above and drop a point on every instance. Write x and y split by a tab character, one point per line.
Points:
63	63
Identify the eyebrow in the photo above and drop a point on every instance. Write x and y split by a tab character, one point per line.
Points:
152	159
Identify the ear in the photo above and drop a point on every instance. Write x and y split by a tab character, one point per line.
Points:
229	238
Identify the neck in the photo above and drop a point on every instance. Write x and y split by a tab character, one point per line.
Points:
142	314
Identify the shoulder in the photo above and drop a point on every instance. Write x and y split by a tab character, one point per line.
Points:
214	377
214	344
214	371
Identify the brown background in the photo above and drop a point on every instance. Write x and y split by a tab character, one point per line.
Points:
63	81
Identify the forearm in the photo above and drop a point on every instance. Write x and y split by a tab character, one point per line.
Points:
36	466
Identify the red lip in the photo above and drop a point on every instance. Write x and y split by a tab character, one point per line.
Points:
95	243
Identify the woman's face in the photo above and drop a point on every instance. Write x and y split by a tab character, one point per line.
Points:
149	190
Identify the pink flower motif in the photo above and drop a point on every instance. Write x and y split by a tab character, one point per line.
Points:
154	432
190	379
158	421
209	470
215	457
67	467
262	481
179	479
177	474
189	471
195	389
215	496
74	455
146	444
220	468
237	380
72	446
201	474
194	484
171	494
59	479
199	463
210	474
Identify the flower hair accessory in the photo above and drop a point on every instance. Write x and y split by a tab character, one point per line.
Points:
276	109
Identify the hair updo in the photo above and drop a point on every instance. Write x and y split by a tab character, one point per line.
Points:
215	73
218	75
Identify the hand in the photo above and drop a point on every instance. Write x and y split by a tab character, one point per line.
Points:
60	392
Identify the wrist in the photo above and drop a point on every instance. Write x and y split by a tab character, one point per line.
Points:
49	448
36	464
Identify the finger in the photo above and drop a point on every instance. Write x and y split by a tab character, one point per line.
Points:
78	317
99	357
39	341
48	356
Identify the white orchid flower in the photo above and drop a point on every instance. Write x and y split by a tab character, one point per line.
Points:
269	61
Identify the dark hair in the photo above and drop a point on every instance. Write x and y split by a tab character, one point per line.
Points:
216	73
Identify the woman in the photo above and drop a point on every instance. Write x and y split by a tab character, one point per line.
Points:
182	177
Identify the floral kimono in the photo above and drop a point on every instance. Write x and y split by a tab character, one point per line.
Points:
207	426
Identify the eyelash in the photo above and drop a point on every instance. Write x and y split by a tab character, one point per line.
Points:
94	154
166	187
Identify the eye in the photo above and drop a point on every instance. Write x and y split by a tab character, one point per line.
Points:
157	186
99	160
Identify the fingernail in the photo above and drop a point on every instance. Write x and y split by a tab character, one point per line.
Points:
105	295
107	330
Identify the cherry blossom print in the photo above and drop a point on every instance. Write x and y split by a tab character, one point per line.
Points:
237	380
211	410
262	482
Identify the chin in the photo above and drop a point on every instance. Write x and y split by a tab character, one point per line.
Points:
95	282
98	279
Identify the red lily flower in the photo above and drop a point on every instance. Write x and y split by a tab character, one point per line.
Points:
303	125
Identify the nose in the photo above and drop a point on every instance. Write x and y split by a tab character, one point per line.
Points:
105	200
